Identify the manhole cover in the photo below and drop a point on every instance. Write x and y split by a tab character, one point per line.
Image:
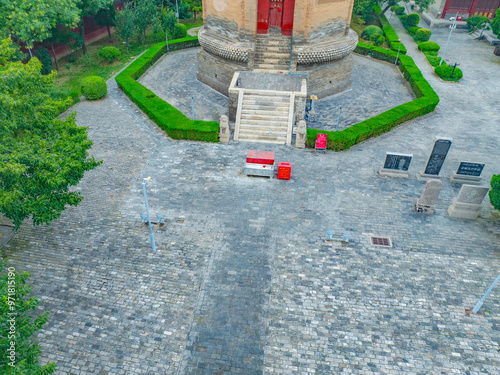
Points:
381	241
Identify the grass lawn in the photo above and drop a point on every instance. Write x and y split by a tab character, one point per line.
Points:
67	82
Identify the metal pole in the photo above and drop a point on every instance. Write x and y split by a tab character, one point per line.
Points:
338	122
192	105
480	303
453	71
166	38
144	183
291	47
449	36
397	56
177	10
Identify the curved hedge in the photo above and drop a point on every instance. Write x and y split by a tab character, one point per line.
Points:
166	116
426	102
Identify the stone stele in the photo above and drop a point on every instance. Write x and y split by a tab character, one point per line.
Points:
426	204
224	129
396	165
300	141
468	202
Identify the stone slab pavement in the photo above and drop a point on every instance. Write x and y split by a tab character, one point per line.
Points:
243	281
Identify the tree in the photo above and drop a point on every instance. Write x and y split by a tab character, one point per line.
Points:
495	23
106	17
20	353
125	24
62	36
41	156
87	8
144	11
33	20
494	193
478	22
168	21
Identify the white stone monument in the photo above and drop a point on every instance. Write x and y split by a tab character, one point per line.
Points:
224	129
468	202
300	140
426	204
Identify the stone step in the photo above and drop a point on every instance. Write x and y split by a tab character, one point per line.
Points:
266	106
264	128
267	53
284	49
266	97
263	139
263	115
264	131
262	123
271	66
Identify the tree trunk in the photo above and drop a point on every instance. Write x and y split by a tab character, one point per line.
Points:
109	33
82	34
391	3
55	58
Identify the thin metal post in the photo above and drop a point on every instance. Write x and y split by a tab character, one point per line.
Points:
291	47
177	10
453	71
144	184
449	36
31	55
192	105
338	121
166	38
397	56
480	303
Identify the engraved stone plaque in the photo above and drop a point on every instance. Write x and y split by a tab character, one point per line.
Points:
470	169
400	162
437	157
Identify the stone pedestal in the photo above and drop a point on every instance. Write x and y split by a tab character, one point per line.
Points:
463	179
467	204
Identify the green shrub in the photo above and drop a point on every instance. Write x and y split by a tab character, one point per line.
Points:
494	193
368	18
429	46
412	20
413	30
377	39
180	31
444	72
94	87
109	53
368	31
433	58
398	9
422	35
43	55
167	117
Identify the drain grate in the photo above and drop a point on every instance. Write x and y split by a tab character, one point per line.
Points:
381	241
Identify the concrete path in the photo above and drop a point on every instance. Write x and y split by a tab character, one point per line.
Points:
243	281
193	31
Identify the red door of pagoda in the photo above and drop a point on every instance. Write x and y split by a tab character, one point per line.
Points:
275	14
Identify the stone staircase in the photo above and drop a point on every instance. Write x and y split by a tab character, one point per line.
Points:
272	52
264	117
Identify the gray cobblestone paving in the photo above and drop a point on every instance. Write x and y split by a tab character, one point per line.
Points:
243	281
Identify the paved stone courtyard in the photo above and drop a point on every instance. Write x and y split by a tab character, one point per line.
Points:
243	281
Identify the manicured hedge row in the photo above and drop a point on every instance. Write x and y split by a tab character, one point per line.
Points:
426	102
389	32
167	117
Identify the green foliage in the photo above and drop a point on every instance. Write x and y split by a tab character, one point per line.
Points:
445	72
168	21
167	117
109	53
368	31
429	46
389	32
43	56
426	102
377	39
398	9
180	31
94	87
125	24
18	326
144	12
183	10
494	193
433	58
412	20
41	156
33	20
413	30
362	7
106	17
495	23
477	22
422	35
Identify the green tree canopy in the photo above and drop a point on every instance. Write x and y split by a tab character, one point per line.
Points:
41	156
494	193
32	20
495	23
18	326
